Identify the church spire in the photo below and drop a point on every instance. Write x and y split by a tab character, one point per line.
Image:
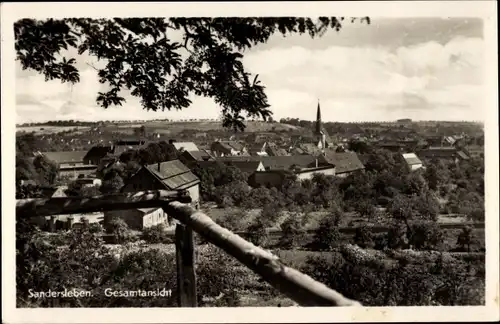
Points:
318	120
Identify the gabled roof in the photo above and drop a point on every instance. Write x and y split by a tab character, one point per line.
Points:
146	211
309	148
232	145
201	155
278	162
343	161
186	146
98	152
60	192
65	156
173	174
411	158
244	166
462	155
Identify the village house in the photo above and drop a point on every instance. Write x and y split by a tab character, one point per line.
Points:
71	163
96	154
248	167
474	151
142	218
346	163
275	177
68	221
170	175
190	158
129	144
228	148
449	153
258	149
185	146
272	149
412	161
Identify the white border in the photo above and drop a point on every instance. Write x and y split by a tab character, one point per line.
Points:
486	9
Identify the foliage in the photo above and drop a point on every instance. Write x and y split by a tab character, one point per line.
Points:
292	232
466	239
219	274
257	232
120	230
426	236
363	237
400	285
156	234
112	185
327	235
141	57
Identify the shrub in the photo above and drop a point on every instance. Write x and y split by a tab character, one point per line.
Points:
120	231
363	237
327	236
293	232
257	232
426	236
156	234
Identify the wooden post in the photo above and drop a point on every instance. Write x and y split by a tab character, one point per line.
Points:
186	276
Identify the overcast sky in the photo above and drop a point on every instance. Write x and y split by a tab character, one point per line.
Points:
424	69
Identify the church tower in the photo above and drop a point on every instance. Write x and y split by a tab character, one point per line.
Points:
319	134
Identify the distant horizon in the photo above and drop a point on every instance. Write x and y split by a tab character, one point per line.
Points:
215	120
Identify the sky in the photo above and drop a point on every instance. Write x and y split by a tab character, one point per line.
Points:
422	68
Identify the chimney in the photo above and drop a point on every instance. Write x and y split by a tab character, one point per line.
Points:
316	162
158	164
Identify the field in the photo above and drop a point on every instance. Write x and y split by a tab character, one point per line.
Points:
163	127
43	130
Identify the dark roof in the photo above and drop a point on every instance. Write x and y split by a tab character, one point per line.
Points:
200	155
232	145
243	166
98	152
278	162
125	145
343	161
146	211
66	156
439	152
173	174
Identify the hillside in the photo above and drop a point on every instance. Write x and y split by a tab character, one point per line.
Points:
164	127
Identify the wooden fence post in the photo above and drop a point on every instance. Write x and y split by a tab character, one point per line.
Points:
186	276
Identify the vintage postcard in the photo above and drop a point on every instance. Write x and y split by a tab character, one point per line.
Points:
249	162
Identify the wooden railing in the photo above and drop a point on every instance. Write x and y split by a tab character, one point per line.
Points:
297	286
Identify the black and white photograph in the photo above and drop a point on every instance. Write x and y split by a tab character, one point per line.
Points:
280	161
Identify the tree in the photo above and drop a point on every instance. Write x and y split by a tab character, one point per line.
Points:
156	234
426	235
292	232
327	236
46	169
363	237
141	57
466	238
120	230
112	186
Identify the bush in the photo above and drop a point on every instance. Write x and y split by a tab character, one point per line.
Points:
120	231
327	236
257	233
363	237
426	236
293	232
156	234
